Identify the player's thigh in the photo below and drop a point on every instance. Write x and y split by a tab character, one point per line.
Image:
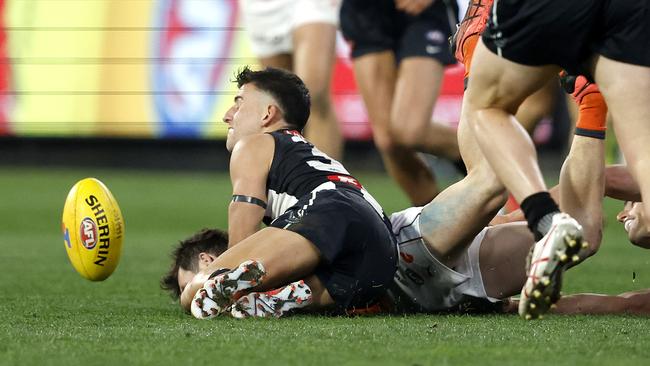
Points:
502	259
538	105
286	255
498	83
416	90
279	61
375	74
314	46
626	90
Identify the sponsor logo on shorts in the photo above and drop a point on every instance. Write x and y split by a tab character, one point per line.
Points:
432	50
436	36
88	233
413	276
406	257
296	216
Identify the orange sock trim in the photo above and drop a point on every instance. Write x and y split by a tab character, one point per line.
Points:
592	120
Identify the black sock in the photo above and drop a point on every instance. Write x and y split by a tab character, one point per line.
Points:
538	209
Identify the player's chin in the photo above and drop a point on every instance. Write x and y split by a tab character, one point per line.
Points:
640	240
230	142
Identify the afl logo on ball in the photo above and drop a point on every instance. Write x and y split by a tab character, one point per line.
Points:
88	233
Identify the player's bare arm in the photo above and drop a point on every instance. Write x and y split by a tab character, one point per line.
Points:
249	166
620	185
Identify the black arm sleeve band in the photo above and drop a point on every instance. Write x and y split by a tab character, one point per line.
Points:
248	199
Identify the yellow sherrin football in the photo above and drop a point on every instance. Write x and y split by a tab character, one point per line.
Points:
93	229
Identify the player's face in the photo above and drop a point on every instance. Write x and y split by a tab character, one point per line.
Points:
186	276
245	116
632	218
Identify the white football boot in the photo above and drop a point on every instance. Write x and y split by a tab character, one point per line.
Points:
273	303
218	293
548	259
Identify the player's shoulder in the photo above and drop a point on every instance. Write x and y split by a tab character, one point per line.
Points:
257	147
257	142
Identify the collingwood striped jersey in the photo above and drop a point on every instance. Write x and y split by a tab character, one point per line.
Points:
298	169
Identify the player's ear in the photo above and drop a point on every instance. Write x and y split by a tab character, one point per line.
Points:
273	113
206	258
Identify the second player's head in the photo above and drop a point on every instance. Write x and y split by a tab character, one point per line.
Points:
267	100
191	256
632	218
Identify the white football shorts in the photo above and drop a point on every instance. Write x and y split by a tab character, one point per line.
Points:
269	23
422	283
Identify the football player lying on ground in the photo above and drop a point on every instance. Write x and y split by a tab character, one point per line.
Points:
422	292
448	257
322	224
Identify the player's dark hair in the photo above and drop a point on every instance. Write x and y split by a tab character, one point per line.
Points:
186	256
286	88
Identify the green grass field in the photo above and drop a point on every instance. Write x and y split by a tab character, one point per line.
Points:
51	315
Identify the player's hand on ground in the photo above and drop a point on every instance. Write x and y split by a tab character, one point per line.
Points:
412	7
577	86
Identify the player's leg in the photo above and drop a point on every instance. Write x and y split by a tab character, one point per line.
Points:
451	221
537	106
625	89
502	259
635	303
504	248
495	90
423	52
270	39
313	60
281	256
279	61
416	90
376	77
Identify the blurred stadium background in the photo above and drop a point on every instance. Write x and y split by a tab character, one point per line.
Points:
107	87
109	81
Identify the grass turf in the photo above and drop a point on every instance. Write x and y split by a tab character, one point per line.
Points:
50	315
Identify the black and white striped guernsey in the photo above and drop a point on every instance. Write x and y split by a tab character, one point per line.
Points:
298	169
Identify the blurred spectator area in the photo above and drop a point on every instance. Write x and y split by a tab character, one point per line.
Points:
149	72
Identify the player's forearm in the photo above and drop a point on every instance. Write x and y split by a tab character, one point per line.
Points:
244	220
619	184
190	290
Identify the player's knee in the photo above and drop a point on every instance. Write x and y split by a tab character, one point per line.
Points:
384	141
488	181
321	104
593	235
405	135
